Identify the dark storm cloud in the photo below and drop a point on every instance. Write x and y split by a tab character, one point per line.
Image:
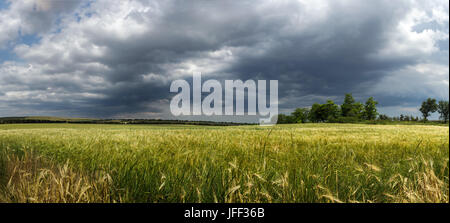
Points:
119	59
333	60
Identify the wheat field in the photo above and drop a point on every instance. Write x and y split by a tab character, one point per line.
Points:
239	164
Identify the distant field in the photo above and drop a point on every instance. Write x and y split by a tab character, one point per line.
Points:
182	163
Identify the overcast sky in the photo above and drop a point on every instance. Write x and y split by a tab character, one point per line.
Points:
106	60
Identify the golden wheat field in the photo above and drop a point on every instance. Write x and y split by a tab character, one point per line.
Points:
182	163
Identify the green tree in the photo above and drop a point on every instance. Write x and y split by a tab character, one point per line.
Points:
300	115
428	106
324	112
358	109
315	114
348	106
443	110
370	109
330	110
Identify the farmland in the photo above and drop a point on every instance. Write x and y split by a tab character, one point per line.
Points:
183	163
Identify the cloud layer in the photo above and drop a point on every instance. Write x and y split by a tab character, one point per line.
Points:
97	59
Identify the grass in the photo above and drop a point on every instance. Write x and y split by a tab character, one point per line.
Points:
181	163
31	178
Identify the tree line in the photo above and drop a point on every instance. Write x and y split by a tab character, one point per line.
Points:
14	120
352	111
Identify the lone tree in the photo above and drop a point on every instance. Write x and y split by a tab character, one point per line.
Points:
370	109
443	110
428	106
